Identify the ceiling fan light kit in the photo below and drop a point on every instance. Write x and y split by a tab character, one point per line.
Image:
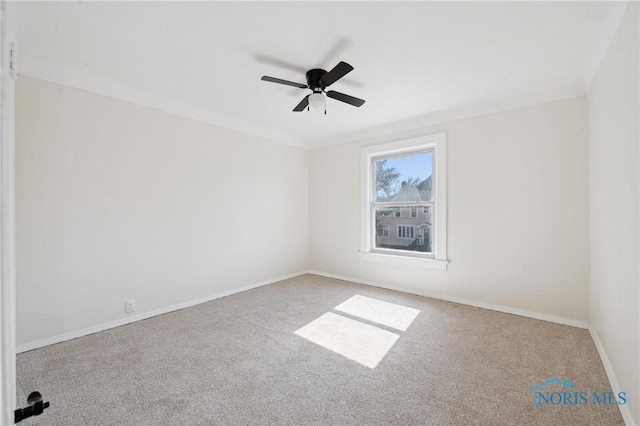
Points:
317	80
317	101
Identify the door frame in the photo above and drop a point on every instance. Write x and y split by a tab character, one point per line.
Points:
7	217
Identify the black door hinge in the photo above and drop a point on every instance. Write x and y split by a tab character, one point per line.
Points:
35	407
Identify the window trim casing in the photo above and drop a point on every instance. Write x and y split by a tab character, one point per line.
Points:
435	142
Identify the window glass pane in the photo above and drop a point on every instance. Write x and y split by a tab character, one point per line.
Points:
404	178
404	232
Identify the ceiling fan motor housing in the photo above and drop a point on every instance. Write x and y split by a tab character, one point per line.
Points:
314	78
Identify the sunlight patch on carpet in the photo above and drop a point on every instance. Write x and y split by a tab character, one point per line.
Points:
385	313
359	342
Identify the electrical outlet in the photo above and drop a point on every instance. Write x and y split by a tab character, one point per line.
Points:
130	306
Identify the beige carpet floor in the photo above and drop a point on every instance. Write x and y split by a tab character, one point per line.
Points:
306	351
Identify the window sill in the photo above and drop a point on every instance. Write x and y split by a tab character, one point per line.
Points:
404	260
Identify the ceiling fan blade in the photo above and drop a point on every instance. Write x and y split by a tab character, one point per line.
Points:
281	81
303	104
336	73
345	98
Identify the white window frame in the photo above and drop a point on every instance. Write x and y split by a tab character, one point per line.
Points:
411	215
368	252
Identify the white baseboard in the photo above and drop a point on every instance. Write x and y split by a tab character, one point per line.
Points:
624	409
128	320
462	301
615	387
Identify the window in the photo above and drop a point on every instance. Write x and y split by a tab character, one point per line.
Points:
405	231
405	180
402	182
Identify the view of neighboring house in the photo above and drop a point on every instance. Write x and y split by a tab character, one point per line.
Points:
407	227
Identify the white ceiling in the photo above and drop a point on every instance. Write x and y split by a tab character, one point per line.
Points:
414	62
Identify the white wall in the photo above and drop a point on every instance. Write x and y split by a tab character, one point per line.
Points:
116	202
614	194
518	212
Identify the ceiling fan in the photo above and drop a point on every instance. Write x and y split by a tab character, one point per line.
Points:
317	81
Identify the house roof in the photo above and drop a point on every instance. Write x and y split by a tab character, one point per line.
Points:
408	193
566	384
